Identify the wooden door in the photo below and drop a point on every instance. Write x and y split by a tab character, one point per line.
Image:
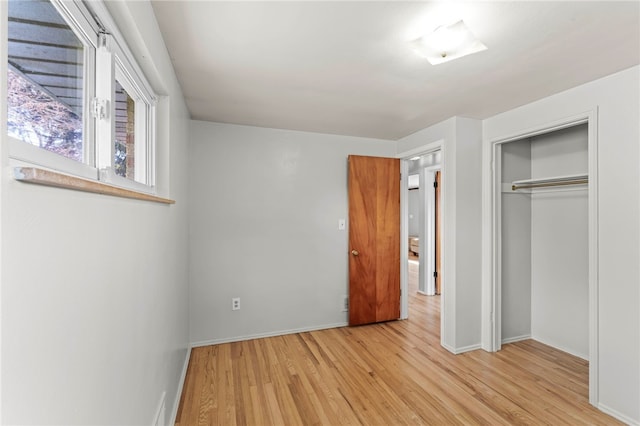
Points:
438	251
374	239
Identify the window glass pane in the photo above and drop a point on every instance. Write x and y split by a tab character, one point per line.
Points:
45	79
125	134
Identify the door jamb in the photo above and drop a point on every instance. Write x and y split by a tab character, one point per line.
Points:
491	318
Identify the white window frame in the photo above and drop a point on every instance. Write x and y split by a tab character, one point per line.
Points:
106	57
114	63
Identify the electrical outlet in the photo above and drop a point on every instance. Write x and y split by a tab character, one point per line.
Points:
345	304
235	304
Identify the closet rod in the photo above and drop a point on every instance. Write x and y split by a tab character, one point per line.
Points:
515	187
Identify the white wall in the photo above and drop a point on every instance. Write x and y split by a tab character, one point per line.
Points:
427	160
94	288
617	98
414	211
264	217
468	232
461	194
559	243
516	244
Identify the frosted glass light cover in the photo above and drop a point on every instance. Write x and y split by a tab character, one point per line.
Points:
447	43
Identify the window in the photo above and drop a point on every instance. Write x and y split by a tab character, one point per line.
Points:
39	118
124	159
125	129
77	101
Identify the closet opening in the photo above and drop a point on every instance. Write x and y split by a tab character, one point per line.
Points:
543	253
544	240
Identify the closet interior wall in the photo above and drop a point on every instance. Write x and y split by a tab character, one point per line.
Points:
516	243
544	245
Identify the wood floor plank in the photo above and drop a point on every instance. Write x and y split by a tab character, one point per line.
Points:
274	407
391	373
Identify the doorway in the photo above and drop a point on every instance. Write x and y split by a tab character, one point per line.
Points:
404	159
507	210
422	226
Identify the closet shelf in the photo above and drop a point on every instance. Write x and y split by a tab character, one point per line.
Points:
548	182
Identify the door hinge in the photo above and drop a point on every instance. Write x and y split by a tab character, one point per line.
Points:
435	184
100	108
435	274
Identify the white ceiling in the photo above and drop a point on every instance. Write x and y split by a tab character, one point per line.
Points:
347	67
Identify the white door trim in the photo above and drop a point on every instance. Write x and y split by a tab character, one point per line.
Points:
491	225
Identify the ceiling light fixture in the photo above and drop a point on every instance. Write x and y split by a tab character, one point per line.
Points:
414	158
447	42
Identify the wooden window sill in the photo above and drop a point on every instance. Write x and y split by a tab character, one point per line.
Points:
50	178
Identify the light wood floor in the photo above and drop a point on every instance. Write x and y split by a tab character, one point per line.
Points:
385	374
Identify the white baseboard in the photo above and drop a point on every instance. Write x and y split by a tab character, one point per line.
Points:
268	334
562	348
468	348
619	416
183	377
458	351
516	339
160	417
